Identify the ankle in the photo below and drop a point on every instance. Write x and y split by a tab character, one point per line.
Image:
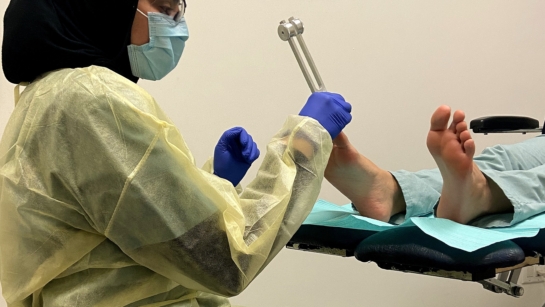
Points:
383	199
496	200
398	203
372	209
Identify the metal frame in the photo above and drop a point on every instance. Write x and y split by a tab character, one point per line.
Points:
506	282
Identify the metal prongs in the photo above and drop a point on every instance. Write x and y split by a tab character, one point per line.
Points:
294	28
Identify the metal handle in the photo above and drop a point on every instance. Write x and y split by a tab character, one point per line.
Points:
287	32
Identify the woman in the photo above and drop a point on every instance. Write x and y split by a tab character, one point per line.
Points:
101	203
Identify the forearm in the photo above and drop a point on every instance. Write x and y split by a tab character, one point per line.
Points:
200	232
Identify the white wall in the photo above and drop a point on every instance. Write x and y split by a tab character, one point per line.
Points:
395	62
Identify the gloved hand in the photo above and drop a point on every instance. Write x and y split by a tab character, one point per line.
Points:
234	154
330	110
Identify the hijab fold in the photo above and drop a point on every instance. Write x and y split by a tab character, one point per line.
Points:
45	35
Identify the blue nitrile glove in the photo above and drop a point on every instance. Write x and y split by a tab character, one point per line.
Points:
234	154
330	110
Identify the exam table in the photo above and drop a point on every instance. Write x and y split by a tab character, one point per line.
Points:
408	249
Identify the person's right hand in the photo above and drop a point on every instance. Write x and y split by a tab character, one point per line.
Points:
330	110
234	154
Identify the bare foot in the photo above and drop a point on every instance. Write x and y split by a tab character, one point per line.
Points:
467	193
372	190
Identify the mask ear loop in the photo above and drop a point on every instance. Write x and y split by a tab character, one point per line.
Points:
17	92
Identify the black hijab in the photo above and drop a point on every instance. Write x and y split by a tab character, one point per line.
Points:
44	35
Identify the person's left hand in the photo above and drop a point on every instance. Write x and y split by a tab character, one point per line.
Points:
234	154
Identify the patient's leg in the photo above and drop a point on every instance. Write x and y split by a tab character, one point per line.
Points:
372	190
466	192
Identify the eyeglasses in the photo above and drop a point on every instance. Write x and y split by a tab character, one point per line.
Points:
179	14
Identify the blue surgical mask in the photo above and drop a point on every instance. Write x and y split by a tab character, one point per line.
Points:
154	60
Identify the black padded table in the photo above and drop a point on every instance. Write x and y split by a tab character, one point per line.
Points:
408	249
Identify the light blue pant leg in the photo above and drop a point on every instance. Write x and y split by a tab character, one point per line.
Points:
520	174
517	169
421	190
520	156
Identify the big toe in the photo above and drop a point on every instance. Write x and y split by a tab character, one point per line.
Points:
440	118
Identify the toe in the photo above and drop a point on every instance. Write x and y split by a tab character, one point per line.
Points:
458	116
440	118
461	127
469	147
464	136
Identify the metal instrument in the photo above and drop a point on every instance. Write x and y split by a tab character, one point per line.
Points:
290	30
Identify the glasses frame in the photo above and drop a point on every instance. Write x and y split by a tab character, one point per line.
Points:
181	12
